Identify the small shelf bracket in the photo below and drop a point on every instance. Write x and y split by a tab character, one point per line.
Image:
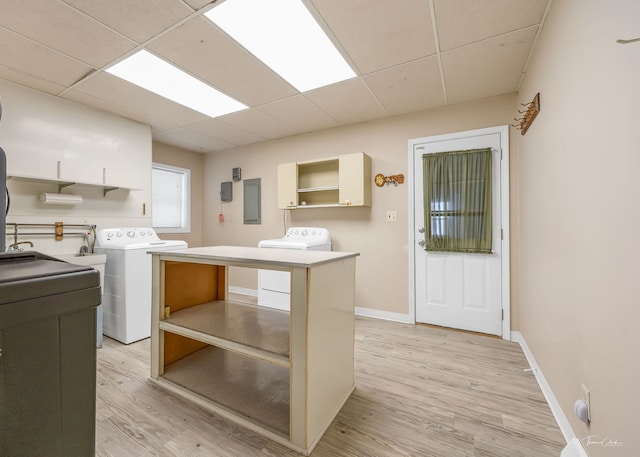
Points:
63	185
106	190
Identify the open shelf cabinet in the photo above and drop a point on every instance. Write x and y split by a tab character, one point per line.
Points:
275	372
338	181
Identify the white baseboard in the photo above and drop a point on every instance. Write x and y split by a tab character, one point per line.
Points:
243	291
384	315
574	447
359	311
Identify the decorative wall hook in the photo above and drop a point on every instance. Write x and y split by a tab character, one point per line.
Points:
381	179
632	40
533	108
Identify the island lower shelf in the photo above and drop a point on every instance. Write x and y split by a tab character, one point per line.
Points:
248	388
255	331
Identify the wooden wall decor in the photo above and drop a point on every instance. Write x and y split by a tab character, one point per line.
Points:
381	179
528	115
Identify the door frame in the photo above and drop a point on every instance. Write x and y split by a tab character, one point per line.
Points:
505	293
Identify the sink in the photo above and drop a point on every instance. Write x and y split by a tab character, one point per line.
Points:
88	260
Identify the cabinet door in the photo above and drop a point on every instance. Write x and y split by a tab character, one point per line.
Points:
108	152
287	185
128	162
355	179
81	166
31	161
29	137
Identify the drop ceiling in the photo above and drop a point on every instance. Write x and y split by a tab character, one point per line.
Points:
408	55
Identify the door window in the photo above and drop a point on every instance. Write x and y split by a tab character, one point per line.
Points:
457	196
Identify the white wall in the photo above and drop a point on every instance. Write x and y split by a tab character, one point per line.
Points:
579	217
45	127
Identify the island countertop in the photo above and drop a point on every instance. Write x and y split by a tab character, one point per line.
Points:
239	255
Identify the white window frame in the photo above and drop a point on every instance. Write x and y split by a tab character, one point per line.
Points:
185	226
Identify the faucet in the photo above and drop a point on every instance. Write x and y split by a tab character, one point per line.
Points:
15	247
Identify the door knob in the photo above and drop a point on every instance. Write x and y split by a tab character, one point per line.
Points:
421	230
421	243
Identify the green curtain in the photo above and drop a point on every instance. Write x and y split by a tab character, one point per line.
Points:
457	201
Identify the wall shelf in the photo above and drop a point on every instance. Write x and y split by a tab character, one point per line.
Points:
63	184
317	189
330	182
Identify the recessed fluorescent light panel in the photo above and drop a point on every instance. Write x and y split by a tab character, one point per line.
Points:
286	37
156	75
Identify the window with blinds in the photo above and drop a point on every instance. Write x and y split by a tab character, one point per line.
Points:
170	196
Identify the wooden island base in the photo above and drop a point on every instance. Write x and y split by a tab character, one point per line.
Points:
283	375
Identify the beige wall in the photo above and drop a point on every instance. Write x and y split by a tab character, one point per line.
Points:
382	269
177	157
579	216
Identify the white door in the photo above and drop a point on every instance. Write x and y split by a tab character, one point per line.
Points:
460	290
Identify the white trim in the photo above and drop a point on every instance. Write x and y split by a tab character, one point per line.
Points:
385	315
359	311
558	414
503	130
574	449
506	231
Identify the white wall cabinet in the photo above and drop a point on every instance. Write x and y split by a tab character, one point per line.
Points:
283	375
53	140
338	181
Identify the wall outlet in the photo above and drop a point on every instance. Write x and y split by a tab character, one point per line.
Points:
586	397
391	216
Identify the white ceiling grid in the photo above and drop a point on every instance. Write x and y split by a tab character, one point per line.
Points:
477	49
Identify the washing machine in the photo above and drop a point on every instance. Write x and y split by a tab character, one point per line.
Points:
126	298
274	287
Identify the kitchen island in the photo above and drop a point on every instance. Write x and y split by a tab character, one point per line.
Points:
284	375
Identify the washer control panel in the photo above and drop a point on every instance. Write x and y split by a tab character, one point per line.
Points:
308	234
118	237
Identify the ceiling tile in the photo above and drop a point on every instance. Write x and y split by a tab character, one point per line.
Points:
347	102
197	4
410	87
487	68
65	29
461	22
379	34
210	55
157	126
39	61
258	123
132	98
192	141
139	20
27	80
299	113
50	45
225	132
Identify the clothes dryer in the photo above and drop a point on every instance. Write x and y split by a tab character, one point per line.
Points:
274	287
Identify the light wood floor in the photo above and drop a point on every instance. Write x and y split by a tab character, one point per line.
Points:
420	391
